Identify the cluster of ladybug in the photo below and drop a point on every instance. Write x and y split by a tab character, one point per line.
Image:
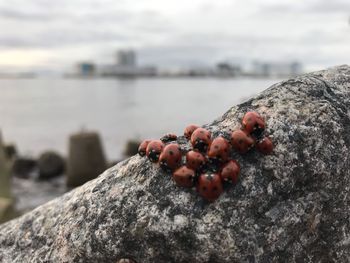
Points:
208	165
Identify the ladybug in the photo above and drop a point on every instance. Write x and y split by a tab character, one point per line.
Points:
201	139
184	176
219	150
241	142
209	186
154	149
195	160
142	148
189	130
253	124
230	172
265	146
169	137
171	156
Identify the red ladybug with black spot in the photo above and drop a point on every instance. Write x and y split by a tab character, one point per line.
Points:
154	149
171	156
265	146
201	139
195	160
253	124
241	141
189	130
230	172
219	150
142	148
209	186
184	176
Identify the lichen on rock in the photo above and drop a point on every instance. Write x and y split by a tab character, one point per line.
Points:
291	206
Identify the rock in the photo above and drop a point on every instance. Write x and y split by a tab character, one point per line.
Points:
7	210
50	164
86	158
131	147
23	166
291	206
1	140
113	163
5	176
10	151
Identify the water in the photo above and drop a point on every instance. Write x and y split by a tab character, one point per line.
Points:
40	114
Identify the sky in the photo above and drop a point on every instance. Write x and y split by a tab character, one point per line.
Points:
47	35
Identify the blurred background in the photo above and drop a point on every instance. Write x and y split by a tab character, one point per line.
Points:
82	82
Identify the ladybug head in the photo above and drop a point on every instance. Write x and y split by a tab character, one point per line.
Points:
209	176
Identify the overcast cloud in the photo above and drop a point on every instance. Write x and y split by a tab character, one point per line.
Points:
40	34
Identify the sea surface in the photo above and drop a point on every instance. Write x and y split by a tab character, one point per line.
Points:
40	114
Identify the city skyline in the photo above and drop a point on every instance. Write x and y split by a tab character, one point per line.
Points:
43	35
125	65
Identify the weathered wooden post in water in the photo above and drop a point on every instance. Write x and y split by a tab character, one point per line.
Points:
291	206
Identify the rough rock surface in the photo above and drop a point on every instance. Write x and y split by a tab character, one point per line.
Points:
292	206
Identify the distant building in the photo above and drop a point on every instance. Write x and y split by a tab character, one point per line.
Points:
196	72
224	69
296	68
267	69
126	71
126	58
126	66
86	69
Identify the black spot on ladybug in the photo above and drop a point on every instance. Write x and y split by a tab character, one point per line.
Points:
171	152
258	132
216	147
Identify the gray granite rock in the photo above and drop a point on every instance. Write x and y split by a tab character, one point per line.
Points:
292	206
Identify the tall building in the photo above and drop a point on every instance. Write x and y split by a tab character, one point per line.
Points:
126	58
126	66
